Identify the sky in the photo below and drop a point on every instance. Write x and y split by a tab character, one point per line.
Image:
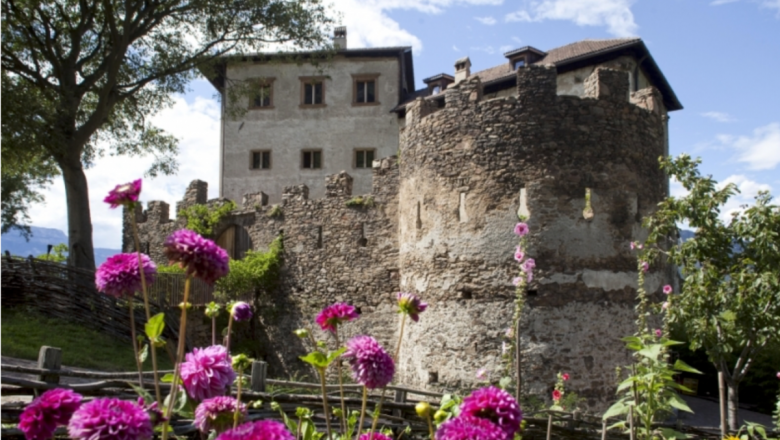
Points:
721	57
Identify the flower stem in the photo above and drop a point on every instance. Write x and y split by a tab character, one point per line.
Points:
135	343
230	329
179	356
377	412
145	291
341	385
430	426
213	330
362	411
238	398
325	401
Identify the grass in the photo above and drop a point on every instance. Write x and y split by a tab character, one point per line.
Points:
24	333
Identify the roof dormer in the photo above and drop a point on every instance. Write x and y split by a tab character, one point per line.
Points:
438	83
524	56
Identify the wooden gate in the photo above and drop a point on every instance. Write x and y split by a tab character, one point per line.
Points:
236	241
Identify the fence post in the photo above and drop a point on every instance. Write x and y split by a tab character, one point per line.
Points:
549	426
259	369
400	397
51	359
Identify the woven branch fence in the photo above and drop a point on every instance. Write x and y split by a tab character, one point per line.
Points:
398	411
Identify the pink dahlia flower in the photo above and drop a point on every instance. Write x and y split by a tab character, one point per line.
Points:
217	413
519	254
119	275
110	419
260	430
207	372
565	376
371	365
410	304
658	333
242	311
49	410
200	257
126	194
521	229
495	405
376	435
668	289
334	315
470	428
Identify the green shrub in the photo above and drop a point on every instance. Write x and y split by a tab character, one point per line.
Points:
202	218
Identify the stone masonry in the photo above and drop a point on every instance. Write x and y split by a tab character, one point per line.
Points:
441	226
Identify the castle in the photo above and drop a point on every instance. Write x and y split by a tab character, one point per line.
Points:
472	156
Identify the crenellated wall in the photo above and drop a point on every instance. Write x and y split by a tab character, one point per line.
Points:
441	226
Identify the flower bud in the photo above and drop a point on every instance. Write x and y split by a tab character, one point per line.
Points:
187	305
439	416
241	362
423	409
301	333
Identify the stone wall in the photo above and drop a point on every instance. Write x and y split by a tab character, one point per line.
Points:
441	226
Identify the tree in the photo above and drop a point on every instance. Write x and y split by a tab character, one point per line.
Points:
96	70
730	300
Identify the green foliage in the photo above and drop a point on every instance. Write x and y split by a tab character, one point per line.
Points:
730	299
203	218
360	202
449	408
256	272
304	426
172	269
320	360
275	212
25	332
651	389
59	254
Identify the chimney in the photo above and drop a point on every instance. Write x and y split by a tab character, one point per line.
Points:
340	37
462	69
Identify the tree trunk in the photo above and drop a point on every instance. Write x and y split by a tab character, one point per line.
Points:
81	253
733	404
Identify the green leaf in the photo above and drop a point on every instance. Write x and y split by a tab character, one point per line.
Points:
332	356
316	359
671	434
504	382
682	366
617	409
168	378
155	326
728	315
651	352
676	402
143	353
146	395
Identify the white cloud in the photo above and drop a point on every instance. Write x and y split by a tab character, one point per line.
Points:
487	49
196	126
769	4
761	151
489	21
368	24
615	15
748	189
455	48
719	116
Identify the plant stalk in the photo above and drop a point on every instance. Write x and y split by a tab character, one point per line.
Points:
325	401
213	330
341	384
377	412
230	330
238	398
135	343
430	426
179	356
145	291
362	411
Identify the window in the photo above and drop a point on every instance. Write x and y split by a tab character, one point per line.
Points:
364	158
311	159
436	90
364	89
263	94
312	91
518	63
261	160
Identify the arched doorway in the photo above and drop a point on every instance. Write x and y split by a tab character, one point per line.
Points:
236	241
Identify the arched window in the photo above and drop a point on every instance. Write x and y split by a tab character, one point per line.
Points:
236	241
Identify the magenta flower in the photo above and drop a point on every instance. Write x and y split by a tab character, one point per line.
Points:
377	436
528	267
119	275
332	316
667	289
200	257
410	304
658	333
521	229
495	405
241	311
470	428
556	395
636	245
156	416
126	194
371	365
49	410
217	413
207	372
645	266
519	254
516	281
110	419
565	376
260	430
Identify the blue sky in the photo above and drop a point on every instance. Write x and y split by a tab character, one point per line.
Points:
721	57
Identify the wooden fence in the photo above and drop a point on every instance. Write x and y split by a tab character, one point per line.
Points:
398	408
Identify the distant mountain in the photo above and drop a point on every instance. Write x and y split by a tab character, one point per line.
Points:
15	243
686	235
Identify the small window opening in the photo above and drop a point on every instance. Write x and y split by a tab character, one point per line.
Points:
518	63
462	215
319	237
261	160
587	212
312	159
363	241
419	220
436	90
364	158
263	96
365	91
433	377
522	210
532	292
466	294
312	93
